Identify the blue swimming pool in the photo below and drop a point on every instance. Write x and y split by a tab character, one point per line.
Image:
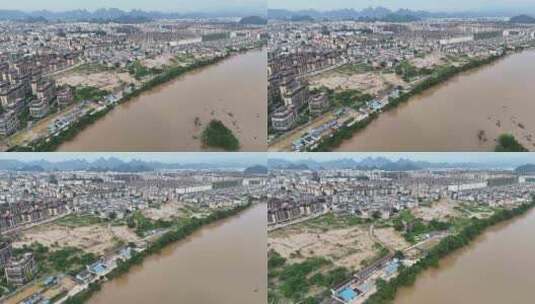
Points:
347	294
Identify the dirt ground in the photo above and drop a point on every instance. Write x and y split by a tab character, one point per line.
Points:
393	79
159	61
370	82
23	294
103	80
345	247
441	210
391	238
428	61
98	239
65	283
166	211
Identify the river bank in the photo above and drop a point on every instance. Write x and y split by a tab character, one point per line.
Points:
407	276
345	138
54	142
137	258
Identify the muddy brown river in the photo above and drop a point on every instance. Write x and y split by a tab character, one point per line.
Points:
466	113
223	263
497	268
163	119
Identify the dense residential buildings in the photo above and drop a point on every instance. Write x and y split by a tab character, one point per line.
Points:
9	123
364	220
65	97
39	108
5	253
284	118
64	229
22	213
318	104
21	271
66	71
362	67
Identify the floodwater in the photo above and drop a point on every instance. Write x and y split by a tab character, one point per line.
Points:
223	263
466	113
164	119
497	268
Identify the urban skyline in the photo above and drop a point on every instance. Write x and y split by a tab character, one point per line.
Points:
357	235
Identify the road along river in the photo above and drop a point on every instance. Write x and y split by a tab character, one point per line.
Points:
223	263
465	113
164	119
498	267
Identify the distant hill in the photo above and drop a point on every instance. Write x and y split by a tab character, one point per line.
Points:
38	19
253	20
117	15
111	164
369	163
256	170
526	169
400	18
298	167
525	19
377	12
127	19
301	18
384	14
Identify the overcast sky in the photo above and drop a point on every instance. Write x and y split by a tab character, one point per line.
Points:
153	5
499	159
431	5
182	158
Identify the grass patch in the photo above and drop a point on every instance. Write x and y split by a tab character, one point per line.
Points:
331	221
413	228
143	225
73	221
90	68
69	260
350	98
356	68
294	283
139	71
89	93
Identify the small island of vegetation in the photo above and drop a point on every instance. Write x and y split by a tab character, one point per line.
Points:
217	135
508	143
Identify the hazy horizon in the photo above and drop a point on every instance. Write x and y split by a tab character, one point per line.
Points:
245	158
499	159
249	158
174	6
432	6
